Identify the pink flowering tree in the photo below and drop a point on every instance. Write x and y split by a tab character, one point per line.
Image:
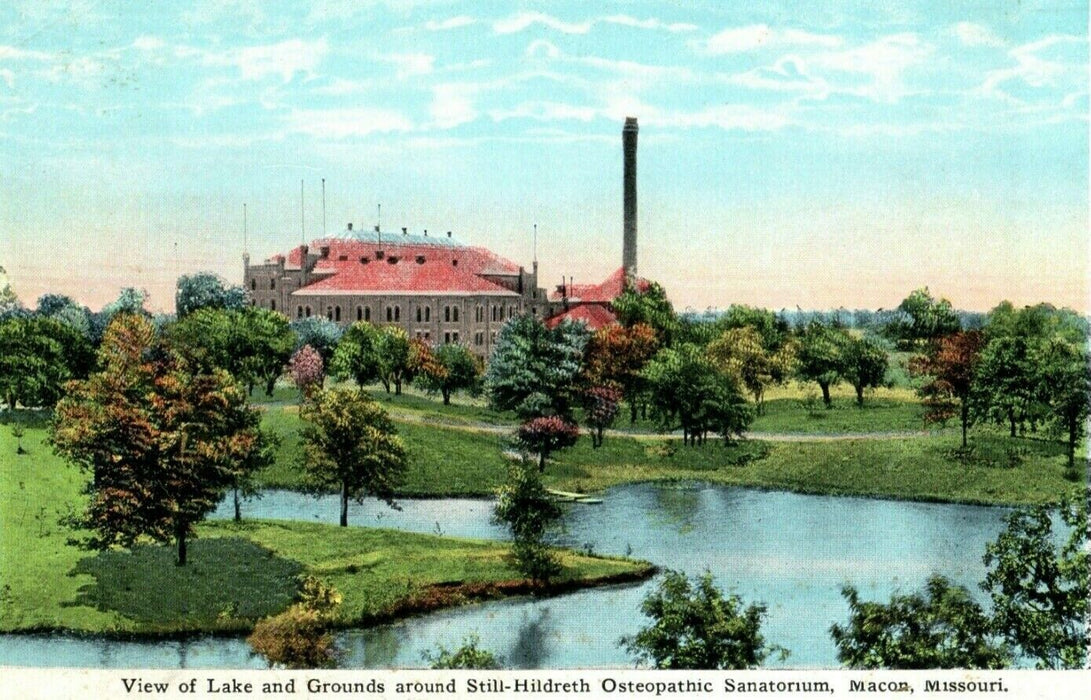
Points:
545	435
601	406
307	370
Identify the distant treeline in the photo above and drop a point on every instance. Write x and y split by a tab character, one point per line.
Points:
873	320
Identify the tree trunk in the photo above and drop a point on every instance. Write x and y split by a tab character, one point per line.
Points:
632	412
238	510
344	504
600	432
397	387
965	422
270	384
446	396
1011	421
826	393
386	384
180	535
541	461
1073	438
860	395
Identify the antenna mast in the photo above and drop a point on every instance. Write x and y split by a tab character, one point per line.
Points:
302	217
323	207
245	246
379	223
535	244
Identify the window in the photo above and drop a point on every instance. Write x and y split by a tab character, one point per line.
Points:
427	314
454	337
454	314
446	314
273	283
299	312
392	259
342	258
420	314
308	310
337	314
420	259
359	313
389	314
253	284
494	312
446	337
273	304
363	260
367	313
454	263
428	335
397	313
329	313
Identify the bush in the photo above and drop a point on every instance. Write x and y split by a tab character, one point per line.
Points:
467	656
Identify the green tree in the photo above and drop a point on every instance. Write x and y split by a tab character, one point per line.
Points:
820	356
864	362
533	369
1039	584
528	511
450	367
162	438
205	290
695	626
1066	383
394	356
741	353
923	318
300	637
64	309
650	307
9	301
467	656
357	356
351	444
1007	386
952	363
37	356
941	627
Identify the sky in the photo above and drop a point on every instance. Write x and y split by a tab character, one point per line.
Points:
834	154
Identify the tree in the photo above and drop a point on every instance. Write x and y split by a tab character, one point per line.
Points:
533	369
394	357
206	290
356	356
37	356
320	333
449	368
1007	385
923	318
695	626
951	362
545	435
688	392
306	370
64	309
163	439
1066	382
527	509
741	353
351	444
864	362
615	355
941	627
300	636
467	656
650	307
820	356
1039	584
9	301
601	405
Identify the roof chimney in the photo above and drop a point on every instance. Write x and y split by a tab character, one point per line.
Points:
628	145
448	234
350	226
405	231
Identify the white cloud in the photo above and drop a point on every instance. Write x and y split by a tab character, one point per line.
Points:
546	111
410	64
650	23
148	43
452	104
882	61
343	123
543	47
1033	70
788	74
728	117
449	23
971	34
759	36
10	53
519	22
285	58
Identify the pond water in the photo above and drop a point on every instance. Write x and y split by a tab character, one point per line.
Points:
792	551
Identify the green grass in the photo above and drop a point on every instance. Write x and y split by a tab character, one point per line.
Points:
235	574
998	469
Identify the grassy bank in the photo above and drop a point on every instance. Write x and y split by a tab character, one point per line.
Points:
998	469
236	573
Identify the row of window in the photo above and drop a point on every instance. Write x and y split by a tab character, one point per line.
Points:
394	313
254	283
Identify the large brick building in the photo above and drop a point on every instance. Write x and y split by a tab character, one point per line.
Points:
435	287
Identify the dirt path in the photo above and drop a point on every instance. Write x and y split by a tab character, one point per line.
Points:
493	429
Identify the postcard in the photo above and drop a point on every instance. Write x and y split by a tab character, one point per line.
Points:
598	348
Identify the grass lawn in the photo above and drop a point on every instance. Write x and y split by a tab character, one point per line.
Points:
999	469
235	574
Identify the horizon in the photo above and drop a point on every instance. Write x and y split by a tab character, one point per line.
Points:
825	157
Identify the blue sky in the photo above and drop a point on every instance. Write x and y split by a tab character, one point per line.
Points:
841	154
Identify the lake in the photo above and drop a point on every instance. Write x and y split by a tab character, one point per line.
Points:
791	551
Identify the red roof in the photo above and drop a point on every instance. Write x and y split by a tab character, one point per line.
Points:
603	293
418	268
593	315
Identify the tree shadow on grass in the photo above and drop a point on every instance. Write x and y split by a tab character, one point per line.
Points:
226	578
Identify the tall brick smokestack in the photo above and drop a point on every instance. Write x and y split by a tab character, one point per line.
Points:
628	145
